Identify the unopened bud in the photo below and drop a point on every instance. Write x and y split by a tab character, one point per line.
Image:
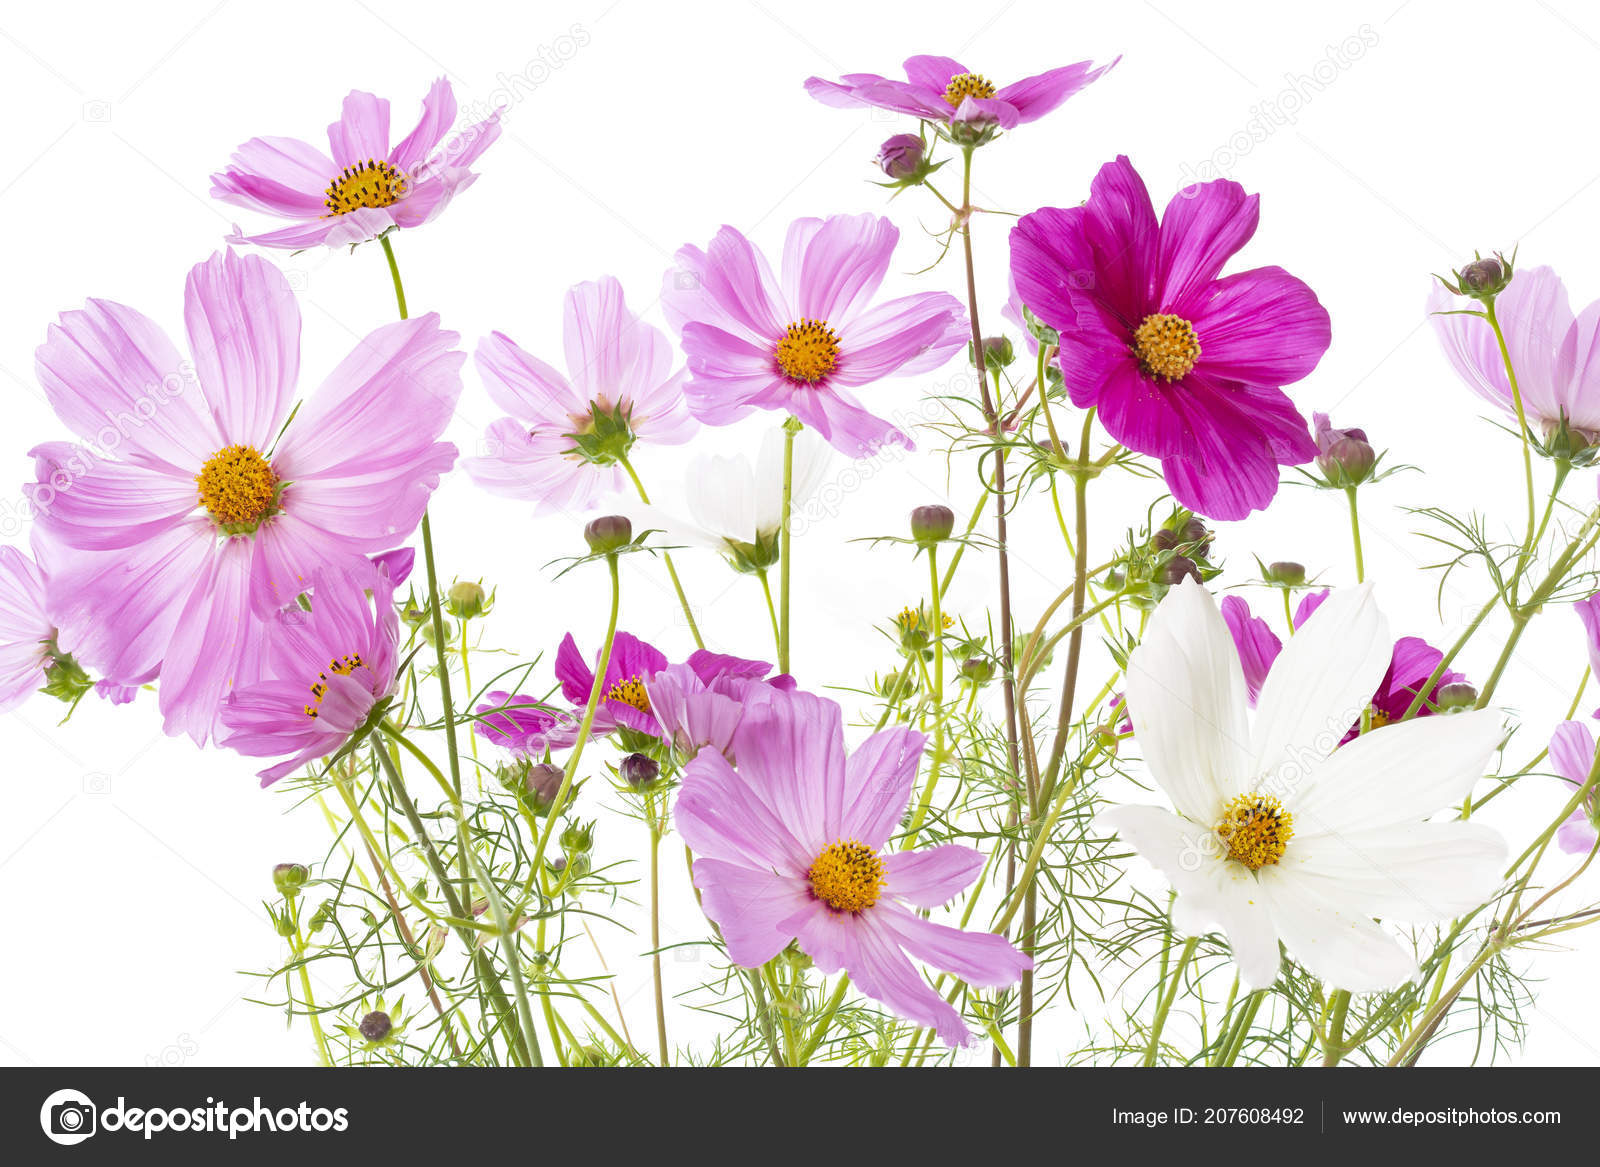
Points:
901	157
1457	695
288	878
977	670
639	770
608	534
466	600
375	1026
1286	573
932	524
1179	568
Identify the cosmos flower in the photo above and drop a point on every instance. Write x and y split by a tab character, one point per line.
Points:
1411	663
735	508
565	438
1555	354
939	89
326	674
517	722
196	507
25	631
363	186
1278	834
790	846
1182	363
1589	613
802	343
1572	755
624	701
702	702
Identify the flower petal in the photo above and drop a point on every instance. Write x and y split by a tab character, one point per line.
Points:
244	334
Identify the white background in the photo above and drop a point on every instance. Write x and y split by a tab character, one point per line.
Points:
132	867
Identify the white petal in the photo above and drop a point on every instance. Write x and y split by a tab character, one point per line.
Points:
1398	774
1341	946
1416	872
1175	846
1318	688
721	493
1186	698
812	456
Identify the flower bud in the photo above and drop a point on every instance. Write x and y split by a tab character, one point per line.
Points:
977	670
639	770
932	524
1456	695
466	600
1179	568
608	534
1347	461
543	782
997	352
1163	540
375	1026
577	839
901	157
289	877
1286	573
1484	279
1194	531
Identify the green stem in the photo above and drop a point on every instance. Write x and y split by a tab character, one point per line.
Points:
1165	1005
1333	1047
655	936
825	1021
772	612
926	800
300	946
791	427
1355	535
1522	424
666	556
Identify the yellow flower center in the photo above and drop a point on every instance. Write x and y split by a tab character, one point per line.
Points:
848	876
808	351
344	666
238	487
1166	346
965	85
366	184
1256	830
630	692
910	618
1378	719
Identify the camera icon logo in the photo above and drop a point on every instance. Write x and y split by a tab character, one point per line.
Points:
68	1117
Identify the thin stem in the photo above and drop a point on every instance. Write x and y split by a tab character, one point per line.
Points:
772	612
655	934
1333	1047
666	556
1522	423
791	427
1165	1005
823	1022
926	800
300	946
1355	534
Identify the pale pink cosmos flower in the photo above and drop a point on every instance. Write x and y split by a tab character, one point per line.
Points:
196	506
363	186
792	845
805	341
25	631
565	437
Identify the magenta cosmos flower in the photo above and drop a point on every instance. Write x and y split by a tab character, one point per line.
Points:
201	506
562	444
1183	364
1410	665
804	342
326	674
1555	354
25	630
702	702
940	89
1572	755
791	846
517	723
363	186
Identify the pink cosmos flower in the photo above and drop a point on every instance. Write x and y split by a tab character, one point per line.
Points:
939	89
562	444
195	507
363	186
624	701
791	846
1572	754
702	702
1410	665
1589	612
25	631
1556	355
1183	364
517	723
802	343
326	674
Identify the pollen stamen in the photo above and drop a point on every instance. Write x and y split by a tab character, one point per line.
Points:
848	876
371	183
238	487
807	351
344	666
630	692
1166	346
965	85
1255	829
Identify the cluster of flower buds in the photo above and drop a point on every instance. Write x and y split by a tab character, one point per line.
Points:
1177	550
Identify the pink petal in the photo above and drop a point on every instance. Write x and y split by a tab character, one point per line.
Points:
362	132
215	646
1261	327
438	115
914	334
932	877
832	267
244	334
1033	97
750	907
1201	229
879	776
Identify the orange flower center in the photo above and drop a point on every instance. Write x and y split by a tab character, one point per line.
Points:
848	876
630	692
238	488
965	85
808	351
1256	830
366	184
1166	346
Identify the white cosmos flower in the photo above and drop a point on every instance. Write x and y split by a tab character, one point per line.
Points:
737	508
1279	835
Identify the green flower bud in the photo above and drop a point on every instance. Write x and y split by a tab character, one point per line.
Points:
1286	574
608	534
577	839
288	878
1457	695
467	600
932	524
